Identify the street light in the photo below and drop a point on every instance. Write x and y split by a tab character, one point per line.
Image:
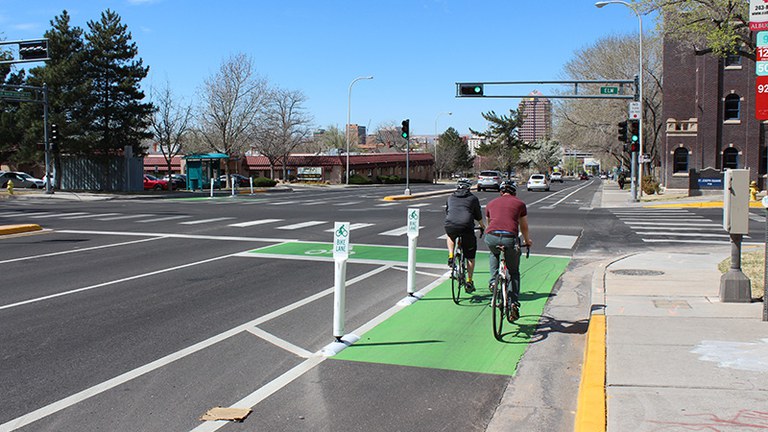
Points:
349	109
437	173
635	196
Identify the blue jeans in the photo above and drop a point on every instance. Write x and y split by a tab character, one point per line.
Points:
511	255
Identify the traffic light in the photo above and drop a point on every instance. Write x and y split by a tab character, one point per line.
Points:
633	147
406	128
34	50
54	133
622	131
634	131
473	89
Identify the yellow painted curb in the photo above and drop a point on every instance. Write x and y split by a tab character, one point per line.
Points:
591	409
708	204
15	229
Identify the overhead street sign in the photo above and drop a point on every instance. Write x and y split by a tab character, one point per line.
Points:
609	90
15	95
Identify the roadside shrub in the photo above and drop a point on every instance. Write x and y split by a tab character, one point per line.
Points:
358	179
650	185
390	179
263	182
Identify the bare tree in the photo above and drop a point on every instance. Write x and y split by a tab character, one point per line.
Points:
591	125
391	136
232	100
330	138
284	125
170	124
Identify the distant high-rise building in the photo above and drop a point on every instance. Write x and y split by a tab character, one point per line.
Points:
357	134
536	115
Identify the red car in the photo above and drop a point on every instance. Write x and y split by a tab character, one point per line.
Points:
153	183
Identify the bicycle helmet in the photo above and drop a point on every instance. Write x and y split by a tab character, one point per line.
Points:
463	183
508	187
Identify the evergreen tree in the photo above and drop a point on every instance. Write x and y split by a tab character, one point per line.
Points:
453	152
501	139
113	112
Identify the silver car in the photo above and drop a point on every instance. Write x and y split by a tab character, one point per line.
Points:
20	180
489	180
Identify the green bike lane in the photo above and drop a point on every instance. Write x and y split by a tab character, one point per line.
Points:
434	332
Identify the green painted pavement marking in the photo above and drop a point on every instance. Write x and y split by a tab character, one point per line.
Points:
360	252
436	333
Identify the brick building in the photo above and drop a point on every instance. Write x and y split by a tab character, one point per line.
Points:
536	113
709	113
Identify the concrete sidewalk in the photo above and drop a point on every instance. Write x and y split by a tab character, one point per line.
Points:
676	358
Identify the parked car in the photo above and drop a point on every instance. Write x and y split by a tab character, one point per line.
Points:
178	181
20	180
538	182
583	176
489	180
556	177
153	183
242	181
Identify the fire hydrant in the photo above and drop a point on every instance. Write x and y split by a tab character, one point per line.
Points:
753	191
9	186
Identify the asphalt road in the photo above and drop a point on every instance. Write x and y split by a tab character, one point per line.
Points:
141	314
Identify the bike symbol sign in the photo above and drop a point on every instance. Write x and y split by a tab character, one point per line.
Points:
413	222
341	240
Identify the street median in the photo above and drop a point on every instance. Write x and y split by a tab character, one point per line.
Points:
20	228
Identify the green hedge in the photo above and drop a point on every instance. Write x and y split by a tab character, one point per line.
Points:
263	182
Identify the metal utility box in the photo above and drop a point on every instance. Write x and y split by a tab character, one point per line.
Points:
736	201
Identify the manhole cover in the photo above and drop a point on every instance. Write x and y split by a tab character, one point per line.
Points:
637	272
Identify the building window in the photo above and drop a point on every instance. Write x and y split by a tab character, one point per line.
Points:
730	158
680	164
733	60
732	107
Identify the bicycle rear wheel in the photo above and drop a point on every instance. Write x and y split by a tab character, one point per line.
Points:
497	308
456	277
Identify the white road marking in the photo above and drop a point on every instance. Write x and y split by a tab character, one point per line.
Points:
92	215
562	241
255	222
202	221
714	242
348	203
387	204
354	226
670	234
78	250
133	216
162	219
15	214
676	228
282	343
682	224
57	215
281	203
301	225
397	231
184	236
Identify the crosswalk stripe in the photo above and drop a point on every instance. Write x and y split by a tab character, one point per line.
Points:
301	225
656	233
386	204
685	224
281	203
91	215
57	215
676	228
713	242
255	222
14	214
202	221
561	241
348	203
397	231
162	219
133	216
354	226
419	205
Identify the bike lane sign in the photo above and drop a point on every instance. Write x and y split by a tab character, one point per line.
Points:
413	222
341	241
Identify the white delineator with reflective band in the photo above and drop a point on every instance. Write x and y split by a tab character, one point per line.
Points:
413	237
340	256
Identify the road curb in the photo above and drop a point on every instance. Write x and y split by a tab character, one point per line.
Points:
20	228
416	195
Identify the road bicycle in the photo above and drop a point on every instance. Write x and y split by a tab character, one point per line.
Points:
501	304
458	271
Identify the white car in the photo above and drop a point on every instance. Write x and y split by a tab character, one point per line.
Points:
556	177
538	182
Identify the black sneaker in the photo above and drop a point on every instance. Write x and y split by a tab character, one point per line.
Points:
514	313
450	262
469	287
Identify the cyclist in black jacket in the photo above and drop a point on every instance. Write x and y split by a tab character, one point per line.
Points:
461	211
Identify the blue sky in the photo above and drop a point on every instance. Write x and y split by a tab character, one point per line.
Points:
415	49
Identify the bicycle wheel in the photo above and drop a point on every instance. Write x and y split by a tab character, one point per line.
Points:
455	277
497	308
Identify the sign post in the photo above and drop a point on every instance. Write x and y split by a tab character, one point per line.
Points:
340	256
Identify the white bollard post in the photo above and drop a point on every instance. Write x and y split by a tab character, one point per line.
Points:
232	185
211	187
413	237
340	256
251	180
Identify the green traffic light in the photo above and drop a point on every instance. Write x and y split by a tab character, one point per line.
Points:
478	89
634	138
